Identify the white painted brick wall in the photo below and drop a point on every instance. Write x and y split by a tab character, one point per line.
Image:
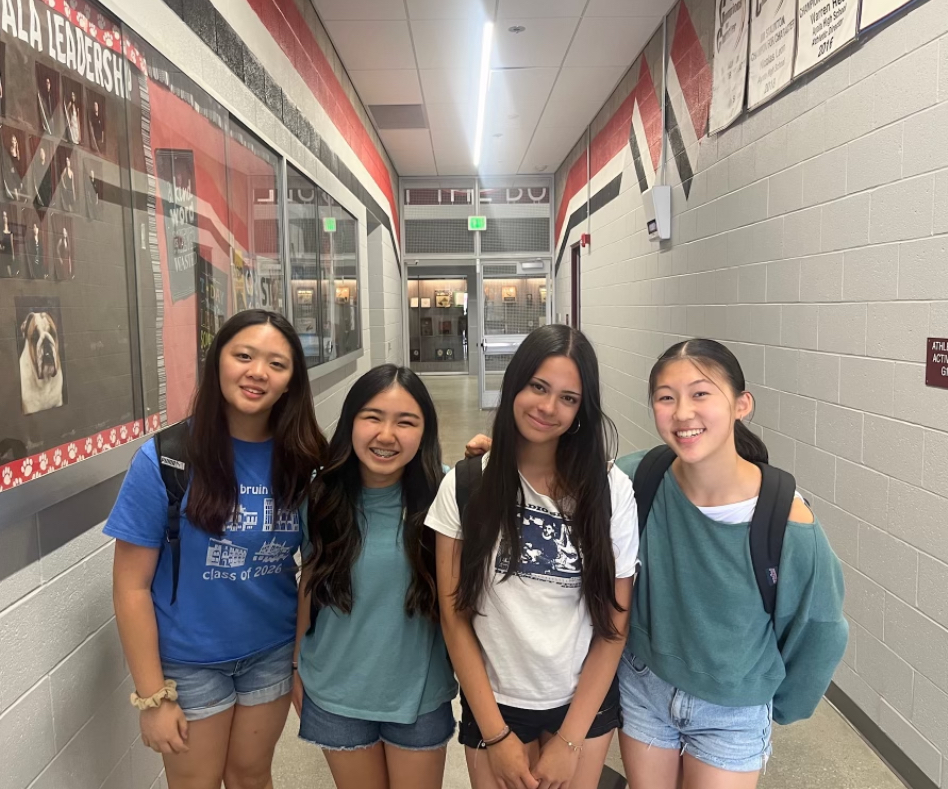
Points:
815	242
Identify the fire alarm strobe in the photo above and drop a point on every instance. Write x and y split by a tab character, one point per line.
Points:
584	240
657	204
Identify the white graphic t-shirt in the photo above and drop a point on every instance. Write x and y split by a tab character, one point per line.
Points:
535	630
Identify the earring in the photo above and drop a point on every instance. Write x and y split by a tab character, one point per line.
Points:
574	432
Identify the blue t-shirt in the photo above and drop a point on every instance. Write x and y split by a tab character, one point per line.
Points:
377	663
236	593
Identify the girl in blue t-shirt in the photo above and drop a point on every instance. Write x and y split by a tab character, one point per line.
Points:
211	651
374	687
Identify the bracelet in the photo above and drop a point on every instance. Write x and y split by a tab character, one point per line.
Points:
503	735
169	692
573	747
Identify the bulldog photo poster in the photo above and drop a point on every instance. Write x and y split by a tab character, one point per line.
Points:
40	349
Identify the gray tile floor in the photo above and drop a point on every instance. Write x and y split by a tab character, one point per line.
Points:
821	753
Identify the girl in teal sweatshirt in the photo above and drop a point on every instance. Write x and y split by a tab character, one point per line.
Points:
706	670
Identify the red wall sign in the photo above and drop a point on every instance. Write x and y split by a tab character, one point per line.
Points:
936	362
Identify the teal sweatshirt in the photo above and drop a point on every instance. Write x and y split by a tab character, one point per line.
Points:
697	618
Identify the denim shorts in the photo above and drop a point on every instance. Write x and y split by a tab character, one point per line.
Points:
736	739
528	725
333	732
205	690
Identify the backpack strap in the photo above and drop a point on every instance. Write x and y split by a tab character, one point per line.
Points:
170	446
777	488
467	479
647	479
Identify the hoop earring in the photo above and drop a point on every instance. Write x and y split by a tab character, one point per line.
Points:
574	432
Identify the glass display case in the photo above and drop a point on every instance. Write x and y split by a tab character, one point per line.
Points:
438	325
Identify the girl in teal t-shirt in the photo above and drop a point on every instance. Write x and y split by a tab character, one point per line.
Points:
374	686
706	669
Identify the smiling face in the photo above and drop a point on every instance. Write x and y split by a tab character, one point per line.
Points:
549	404
695	410
255	369
386	435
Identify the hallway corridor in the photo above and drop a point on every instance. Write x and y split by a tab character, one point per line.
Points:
821	753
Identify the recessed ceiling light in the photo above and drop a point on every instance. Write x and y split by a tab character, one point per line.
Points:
541	168
498	134
516	29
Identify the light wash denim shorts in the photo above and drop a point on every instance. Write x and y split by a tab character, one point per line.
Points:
736	739
333	732
205	690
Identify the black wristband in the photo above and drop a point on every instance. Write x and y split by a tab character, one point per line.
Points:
499	739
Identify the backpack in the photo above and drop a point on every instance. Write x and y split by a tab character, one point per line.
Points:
777	489
170	445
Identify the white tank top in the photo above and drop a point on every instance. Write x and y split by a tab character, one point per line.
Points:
739	512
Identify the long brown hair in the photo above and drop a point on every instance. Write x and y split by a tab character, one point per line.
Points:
334	514
581	484
298	444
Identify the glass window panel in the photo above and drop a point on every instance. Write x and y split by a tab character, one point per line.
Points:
338	281
67	316
302	219
254	203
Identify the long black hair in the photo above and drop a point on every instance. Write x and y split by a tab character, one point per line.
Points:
335	532
712	354
298	444
581	485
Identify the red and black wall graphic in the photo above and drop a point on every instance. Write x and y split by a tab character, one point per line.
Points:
637	123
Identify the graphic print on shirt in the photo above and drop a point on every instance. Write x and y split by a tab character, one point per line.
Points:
241	550
546	550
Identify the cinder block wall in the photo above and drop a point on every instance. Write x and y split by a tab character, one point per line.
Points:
814	241
65	718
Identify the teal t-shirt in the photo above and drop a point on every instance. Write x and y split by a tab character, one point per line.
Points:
377	663
698	622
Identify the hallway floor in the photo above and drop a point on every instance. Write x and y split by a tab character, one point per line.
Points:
821	753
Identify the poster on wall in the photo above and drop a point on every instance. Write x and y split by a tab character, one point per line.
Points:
67	74
179	202
876	10
825	27
731	22
773	34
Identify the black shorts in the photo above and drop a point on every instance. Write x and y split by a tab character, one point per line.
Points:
529	724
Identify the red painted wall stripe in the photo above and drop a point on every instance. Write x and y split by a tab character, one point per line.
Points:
694	73
289	29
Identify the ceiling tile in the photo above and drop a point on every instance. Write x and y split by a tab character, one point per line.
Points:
447	44
541	8
417	161
615	41
579	93
458	121
450	9
541	45
390	86
450	146
405	139
333	10
449	86
370	46
629	7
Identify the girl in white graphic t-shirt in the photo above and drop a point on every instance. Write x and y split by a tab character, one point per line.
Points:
535	640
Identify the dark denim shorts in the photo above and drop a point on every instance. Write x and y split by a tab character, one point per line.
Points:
528	725
333	732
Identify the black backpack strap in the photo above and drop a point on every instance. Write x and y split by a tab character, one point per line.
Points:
467	479
647	479
767	529
170	446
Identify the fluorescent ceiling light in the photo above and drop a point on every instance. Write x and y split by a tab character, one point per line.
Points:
482	95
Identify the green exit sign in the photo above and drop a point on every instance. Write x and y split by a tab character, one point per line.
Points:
329	224
477	223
